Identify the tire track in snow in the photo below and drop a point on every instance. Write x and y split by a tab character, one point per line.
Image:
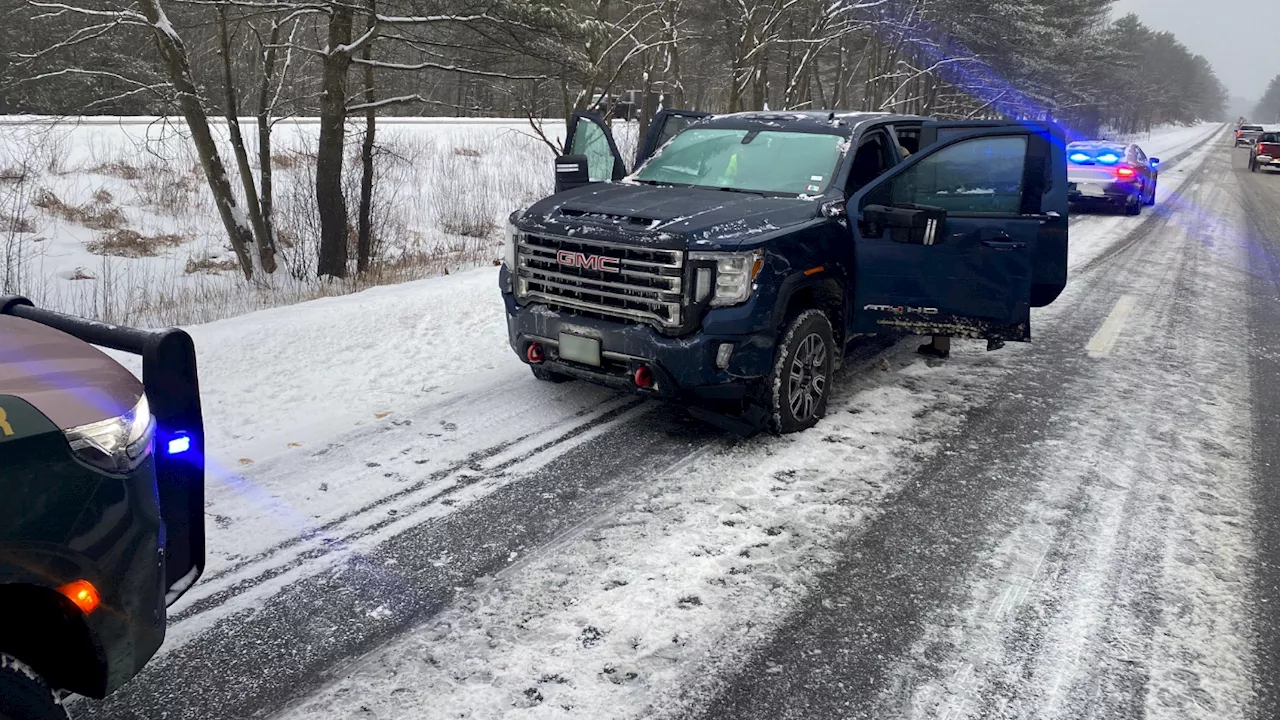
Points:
1261	198
321	547
915	622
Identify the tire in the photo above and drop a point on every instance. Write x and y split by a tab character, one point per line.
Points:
798	386
550	376
1253	167
24	695
1134	205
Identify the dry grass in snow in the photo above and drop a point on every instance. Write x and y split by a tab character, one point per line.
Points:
112	219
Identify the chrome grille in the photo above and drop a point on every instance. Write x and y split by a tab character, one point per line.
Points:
647	285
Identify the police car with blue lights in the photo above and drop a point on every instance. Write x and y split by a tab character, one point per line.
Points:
102	525
1119	175
730	265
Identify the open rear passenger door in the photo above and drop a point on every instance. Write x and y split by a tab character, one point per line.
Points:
966	236
664	126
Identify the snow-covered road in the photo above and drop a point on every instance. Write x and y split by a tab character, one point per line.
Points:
1049	531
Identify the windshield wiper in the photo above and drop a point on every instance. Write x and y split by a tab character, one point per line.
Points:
761	193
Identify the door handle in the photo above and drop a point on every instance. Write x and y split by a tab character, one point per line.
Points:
1004	243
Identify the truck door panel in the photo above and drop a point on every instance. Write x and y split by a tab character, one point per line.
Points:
944	243
589	137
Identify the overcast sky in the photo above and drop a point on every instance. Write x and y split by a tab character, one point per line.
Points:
1244	49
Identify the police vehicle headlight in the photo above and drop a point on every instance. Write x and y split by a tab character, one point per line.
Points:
727	278
119	444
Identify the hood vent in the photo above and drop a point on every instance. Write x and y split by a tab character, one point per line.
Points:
633	221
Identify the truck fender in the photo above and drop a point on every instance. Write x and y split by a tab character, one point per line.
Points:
822	290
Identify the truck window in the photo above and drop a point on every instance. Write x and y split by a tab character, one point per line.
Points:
981	175
870	161
908	138
591	141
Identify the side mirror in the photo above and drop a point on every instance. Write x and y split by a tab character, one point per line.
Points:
912	224
1155	162
571	172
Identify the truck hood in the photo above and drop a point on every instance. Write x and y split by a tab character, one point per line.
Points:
71	382
667	217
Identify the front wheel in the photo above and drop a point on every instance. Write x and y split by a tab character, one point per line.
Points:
24	695
1152	200
1134	204
800	383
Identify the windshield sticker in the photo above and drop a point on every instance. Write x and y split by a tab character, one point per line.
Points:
813	188
816	178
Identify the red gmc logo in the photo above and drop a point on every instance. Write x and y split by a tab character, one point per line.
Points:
587	262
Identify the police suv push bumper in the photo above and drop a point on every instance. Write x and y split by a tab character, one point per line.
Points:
170	381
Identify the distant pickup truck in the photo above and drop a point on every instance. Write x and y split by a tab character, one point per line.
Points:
1248	134
1266	152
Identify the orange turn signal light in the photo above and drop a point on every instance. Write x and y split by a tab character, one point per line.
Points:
83	594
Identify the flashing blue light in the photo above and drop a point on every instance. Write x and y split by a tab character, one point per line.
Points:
1079	157
1155	163
1109	159
179	445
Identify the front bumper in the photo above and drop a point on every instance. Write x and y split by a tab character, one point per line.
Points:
72	522
684	368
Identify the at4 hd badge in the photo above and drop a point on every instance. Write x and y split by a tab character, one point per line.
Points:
902	309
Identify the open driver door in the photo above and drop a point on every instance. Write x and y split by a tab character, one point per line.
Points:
962	239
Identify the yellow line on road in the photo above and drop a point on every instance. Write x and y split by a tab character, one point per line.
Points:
1105	339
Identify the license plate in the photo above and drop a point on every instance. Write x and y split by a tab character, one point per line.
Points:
579	349
1091	190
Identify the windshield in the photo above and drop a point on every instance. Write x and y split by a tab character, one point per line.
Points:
792	163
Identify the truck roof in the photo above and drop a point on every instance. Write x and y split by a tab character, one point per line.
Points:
70	381
832	121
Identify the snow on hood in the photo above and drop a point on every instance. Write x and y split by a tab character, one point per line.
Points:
671	217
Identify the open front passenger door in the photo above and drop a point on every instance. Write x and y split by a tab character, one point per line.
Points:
590	154
965	236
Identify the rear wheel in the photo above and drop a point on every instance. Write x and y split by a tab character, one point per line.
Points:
1133	204
800	383
24	695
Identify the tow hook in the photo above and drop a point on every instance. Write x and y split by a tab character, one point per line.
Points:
643	377
535	354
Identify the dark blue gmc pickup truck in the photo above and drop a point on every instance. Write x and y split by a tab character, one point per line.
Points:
732	266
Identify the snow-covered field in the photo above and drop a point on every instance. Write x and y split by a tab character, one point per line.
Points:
318	409
110	217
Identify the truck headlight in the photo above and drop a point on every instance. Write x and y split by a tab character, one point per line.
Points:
511	246
118	444
733	278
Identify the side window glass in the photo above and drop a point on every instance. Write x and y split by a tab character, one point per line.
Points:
869	162
1142	157
589	139
982	175
909	139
